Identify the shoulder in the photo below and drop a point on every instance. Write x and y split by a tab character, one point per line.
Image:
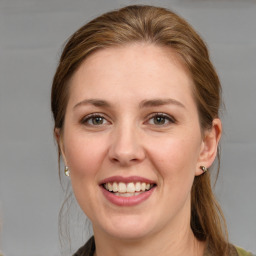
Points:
88	249
232	251
242	252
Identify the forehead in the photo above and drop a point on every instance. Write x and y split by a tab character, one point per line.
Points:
143	69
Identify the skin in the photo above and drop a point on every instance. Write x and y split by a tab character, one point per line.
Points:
161	142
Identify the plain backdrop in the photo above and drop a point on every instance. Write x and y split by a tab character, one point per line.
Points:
32	33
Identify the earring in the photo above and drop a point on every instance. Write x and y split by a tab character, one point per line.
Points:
67	171
203	168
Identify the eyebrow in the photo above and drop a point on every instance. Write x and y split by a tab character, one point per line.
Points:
95	102
143	104
160	102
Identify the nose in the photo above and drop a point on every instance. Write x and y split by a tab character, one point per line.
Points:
126	146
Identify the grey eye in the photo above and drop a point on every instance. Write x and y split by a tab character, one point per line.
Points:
94	120
98	120
160	119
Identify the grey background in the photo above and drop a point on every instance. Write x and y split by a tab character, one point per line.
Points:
32	33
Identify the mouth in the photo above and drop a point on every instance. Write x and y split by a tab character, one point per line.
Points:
128	189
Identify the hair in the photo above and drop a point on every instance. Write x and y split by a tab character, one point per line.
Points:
160	27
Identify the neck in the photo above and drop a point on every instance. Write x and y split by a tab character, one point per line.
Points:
175	244
174	237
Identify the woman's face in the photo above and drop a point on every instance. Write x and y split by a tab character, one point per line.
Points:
132	126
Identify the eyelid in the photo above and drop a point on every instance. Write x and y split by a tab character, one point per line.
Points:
85	119
170	118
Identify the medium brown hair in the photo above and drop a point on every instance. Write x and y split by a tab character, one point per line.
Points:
161	27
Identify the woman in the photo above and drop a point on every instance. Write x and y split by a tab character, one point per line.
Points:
135	101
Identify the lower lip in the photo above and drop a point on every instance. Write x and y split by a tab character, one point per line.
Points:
127	201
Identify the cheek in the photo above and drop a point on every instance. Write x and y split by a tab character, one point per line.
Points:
175	161
176	158
177	151
84	154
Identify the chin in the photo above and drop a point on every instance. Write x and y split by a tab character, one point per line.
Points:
129	228
130	235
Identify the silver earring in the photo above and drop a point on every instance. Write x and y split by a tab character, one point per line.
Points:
203	168
67	171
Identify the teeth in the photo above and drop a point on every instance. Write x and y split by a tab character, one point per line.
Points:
122	188
110	187
137	186
127	194
115	187
143	186
129	189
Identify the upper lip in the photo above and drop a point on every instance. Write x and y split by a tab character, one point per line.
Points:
126	179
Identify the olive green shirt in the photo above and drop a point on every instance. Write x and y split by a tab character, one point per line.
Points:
89	248
242	252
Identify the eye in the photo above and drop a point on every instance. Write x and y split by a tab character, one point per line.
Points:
160	119
94	120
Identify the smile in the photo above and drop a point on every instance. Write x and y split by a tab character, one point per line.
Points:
127	189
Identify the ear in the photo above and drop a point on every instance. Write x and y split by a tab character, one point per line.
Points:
209	146
59	139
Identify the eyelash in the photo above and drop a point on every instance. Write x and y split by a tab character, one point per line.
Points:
164	116
90	118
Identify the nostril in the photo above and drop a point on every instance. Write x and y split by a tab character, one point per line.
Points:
126	154
125	160
115	160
